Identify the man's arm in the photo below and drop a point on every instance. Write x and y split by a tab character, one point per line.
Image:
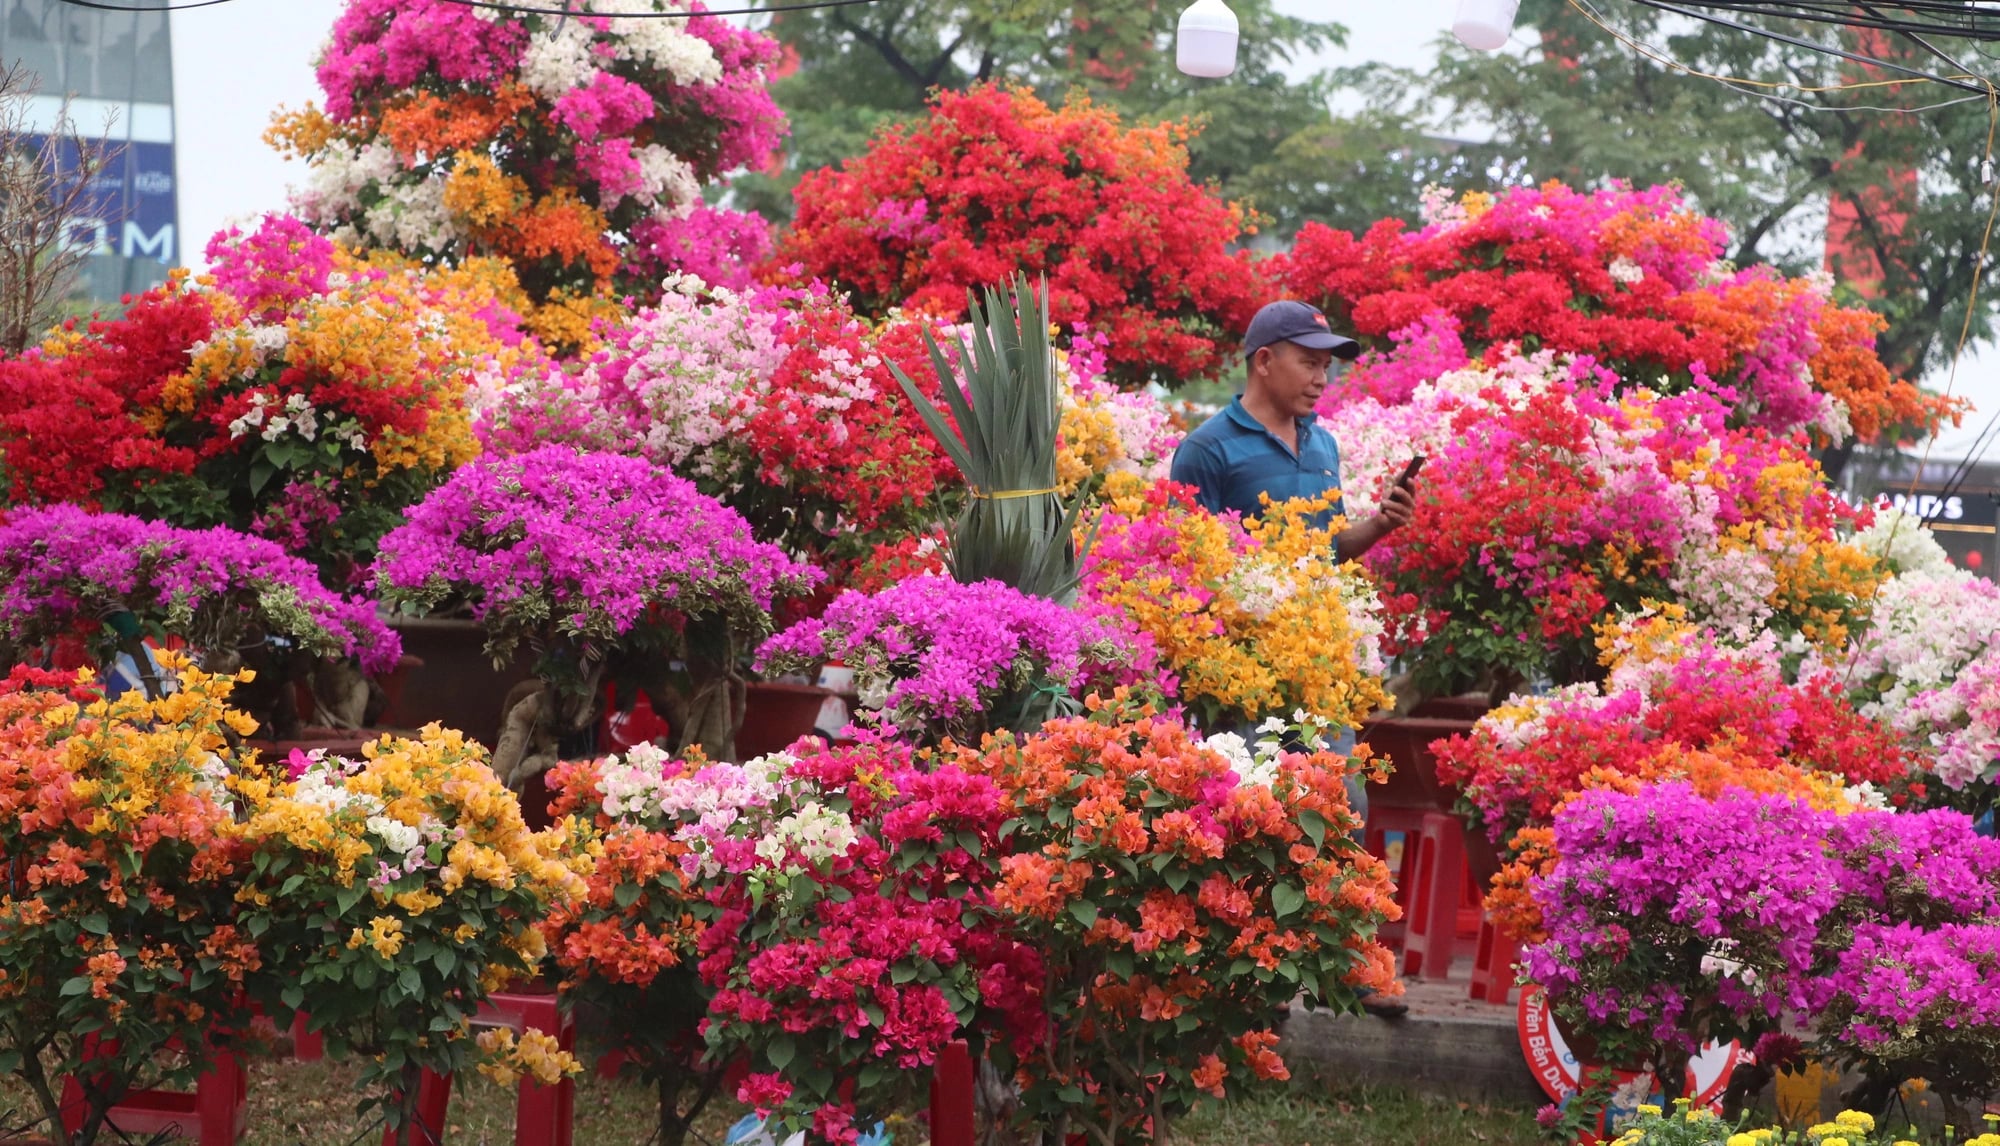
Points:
1350	543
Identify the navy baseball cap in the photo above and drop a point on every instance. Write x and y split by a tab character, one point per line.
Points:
1289	321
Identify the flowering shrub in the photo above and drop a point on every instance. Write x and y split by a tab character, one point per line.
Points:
391	894
994	182
1252	618
119	950
938	658
64	571
780	403
627	946
306	397
573	147
1179	893
585	555
1550	500
1633	279
1678	706
1683	1126
844	888
1105	430
1672	918
1966	718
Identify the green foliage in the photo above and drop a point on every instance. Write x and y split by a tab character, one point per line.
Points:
1014	529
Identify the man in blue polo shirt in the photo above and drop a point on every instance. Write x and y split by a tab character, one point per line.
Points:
1269	441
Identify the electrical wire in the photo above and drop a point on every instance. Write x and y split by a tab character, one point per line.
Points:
101	7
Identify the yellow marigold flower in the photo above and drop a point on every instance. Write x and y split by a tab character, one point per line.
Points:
1648	1110
1741	1140
1834	1141
1856	1119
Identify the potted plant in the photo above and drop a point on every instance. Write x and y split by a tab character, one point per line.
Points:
116	580
296	393
391	892
595	563
124	959
934	658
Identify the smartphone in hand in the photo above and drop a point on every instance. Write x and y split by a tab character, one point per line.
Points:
1410	472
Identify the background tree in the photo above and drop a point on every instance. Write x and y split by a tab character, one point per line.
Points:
47	178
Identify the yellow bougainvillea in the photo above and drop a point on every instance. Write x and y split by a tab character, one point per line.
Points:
1255	620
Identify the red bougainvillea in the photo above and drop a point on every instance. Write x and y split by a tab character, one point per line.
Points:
995	181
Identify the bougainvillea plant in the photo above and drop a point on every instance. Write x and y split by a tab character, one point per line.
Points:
391	894
585	558
1251	619
120	951
847	941
112	581
993	183
1178	894
937	658
1633	279
627	945
1551	499
575	147
304	396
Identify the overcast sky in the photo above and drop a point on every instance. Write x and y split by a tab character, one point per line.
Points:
234	63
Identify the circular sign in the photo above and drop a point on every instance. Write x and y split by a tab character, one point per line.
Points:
1560	1074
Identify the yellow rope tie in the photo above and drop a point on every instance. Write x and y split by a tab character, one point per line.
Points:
1012	494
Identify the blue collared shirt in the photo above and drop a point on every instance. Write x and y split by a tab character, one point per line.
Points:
1231	459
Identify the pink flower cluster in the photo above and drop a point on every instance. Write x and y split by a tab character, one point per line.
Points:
587	546
63	569
932	654
1675	917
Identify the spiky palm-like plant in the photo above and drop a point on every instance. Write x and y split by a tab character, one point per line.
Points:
1014	528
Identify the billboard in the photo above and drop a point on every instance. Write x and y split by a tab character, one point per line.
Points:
115	69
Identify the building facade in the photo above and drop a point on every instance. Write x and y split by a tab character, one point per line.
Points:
116	70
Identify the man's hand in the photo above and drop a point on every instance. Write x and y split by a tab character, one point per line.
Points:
1397	509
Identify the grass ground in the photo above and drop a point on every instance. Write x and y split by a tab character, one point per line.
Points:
313	1104
301	1104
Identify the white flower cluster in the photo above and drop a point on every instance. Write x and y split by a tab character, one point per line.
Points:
323	785
1624	270
276	418
814	833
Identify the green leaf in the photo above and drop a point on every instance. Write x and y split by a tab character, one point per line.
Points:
80	985
293	996
780	1051
95	923
1084	911
625	894
1177	878
261	473
1286	899
1314	826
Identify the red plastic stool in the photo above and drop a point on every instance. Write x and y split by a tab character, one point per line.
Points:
1437	885
543	1115
1493	964
1408	823
213	1115
953	1120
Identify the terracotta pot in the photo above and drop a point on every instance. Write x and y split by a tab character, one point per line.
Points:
775	715
451	680
337	742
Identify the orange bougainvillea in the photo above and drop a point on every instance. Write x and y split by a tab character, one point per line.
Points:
1180	892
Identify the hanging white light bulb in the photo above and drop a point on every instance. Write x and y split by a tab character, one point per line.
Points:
1205	42
1485	24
